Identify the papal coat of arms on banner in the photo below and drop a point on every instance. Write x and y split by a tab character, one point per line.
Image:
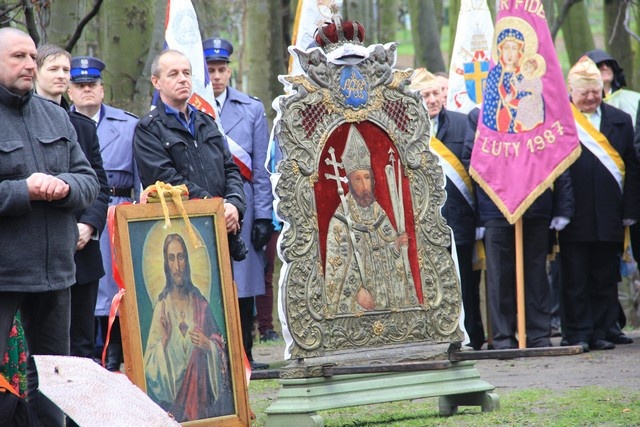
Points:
364	245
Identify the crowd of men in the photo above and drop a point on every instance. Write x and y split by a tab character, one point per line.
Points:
61	166
586	209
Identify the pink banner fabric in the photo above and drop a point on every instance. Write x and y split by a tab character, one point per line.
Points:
526	134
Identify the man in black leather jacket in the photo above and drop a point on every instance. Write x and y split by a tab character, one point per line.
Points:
177	144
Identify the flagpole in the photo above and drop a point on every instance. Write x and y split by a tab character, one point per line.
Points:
522	333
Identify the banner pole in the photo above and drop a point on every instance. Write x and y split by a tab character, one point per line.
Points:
522	333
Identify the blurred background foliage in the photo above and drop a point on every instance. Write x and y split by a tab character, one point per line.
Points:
127	34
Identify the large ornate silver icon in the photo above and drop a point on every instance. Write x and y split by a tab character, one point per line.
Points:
364	247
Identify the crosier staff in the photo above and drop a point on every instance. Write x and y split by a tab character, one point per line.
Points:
394	182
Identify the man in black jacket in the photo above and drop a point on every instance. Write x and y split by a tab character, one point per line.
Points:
52	81
448	131
177	144
553	209
606	184
44	178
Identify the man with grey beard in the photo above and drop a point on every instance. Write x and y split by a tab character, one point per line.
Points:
364	267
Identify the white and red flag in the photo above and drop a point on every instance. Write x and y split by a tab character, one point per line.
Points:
182	33
310	14
471	55
526	133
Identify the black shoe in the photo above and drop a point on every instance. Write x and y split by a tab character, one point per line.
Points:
541	344
114	357
583	344
258	366
269	335
620	339
601	345
475	346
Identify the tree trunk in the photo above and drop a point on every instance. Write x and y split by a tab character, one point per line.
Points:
492	8
549	11
616	39
426	39
634	80
219	18
363	12
576	31
439	14
126	28
65	16
263	54
454	11
143	88
388	20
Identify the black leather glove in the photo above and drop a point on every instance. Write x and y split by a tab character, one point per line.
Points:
237	248
261	232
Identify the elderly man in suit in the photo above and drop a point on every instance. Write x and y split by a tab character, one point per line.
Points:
115	133
244	122
448	132
606	185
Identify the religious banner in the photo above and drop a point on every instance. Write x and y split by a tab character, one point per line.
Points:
471	55
364	246
310	15
526	133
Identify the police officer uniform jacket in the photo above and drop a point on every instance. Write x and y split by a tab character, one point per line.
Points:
243	119
88	260
115	134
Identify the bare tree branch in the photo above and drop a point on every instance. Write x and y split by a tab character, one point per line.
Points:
30	21
564	11
627	19
6	11
622	7
76	35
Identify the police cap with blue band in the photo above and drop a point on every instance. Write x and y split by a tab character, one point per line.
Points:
86	69
217	49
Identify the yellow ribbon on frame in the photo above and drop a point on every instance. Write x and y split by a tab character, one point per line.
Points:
159	192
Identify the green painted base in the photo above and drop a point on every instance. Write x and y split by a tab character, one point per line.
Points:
299	399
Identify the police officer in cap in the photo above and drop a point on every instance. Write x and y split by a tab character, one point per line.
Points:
244	121
115	133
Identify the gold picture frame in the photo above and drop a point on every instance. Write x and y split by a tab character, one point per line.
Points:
179	315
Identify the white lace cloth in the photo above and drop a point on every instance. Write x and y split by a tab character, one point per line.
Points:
93	396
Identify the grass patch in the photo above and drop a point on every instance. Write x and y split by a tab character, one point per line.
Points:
587	406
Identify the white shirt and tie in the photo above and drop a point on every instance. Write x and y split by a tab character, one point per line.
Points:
220	99
595	118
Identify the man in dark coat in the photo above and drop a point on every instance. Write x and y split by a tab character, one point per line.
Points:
552	209
449	128
606	183
52	81
177	144
627	100
44	179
